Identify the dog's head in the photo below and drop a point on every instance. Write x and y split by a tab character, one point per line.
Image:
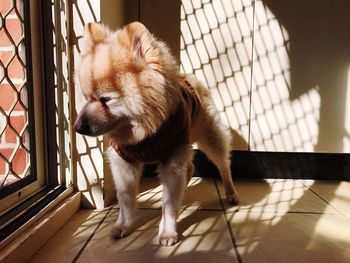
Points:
128	79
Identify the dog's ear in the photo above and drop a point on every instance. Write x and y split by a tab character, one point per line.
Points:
140	41
95	33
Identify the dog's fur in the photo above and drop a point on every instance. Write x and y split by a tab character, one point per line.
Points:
132	86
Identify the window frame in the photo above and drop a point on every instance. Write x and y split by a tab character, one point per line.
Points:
29	181
28	196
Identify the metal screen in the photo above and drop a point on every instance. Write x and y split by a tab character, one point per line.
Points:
14	112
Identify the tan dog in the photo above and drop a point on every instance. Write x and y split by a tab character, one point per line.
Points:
153	114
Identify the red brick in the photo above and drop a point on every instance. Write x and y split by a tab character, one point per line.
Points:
19	4
6	152
19	107
19	161
24	136
4	40
10	135
2	167
23	94
18	122
14	31
15	69
5	57
5	6
8	97
14	27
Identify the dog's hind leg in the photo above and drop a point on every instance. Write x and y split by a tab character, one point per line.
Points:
173	177
126	178
215	140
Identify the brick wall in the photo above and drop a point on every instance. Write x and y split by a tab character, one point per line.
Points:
14	157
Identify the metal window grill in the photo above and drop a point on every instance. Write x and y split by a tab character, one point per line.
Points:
14	110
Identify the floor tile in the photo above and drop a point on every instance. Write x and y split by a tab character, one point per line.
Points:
276	195
204	238
290	237
201	193
336	193
68	241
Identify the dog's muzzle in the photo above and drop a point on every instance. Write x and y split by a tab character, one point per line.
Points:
82	126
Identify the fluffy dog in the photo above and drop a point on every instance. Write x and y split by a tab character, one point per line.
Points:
153	114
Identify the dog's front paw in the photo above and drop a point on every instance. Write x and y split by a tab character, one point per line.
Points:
119	231
232	199
167	239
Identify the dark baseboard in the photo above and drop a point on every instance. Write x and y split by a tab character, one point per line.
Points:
281	165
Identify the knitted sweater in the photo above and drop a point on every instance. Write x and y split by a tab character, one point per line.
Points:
158	147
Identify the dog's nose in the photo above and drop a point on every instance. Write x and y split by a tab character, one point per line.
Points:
82	126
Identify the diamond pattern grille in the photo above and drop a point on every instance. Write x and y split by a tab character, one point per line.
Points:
14	128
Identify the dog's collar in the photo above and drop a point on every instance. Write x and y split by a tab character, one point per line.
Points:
119	150
190	95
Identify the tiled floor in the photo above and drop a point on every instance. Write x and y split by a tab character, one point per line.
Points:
276	221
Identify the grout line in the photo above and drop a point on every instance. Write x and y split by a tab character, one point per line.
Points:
184	208
306	212
239	259
91	236
324	200
279	212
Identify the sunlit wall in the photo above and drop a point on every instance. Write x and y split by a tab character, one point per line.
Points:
270	87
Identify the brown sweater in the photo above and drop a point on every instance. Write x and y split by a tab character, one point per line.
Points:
175	131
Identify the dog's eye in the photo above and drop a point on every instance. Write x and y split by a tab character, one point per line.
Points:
104	100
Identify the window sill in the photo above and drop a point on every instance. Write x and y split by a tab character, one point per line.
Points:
22	245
